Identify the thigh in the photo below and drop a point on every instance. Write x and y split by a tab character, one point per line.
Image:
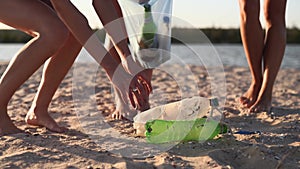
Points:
250	6
275	9
32	15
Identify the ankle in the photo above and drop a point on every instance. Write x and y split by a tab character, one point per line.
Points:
266	94
37	109
256	85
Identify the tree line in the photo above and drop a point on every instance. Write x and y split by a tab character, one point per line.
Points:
179	35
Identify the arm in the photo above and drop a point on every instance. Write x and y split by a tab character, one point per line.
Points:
78	25
110	14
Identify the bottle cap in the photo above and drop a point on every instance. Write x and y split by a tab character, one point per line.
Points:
214	102
147	7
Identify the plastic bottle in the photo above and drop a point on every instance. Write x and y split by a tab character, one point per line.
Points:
185	110
149	30
201	129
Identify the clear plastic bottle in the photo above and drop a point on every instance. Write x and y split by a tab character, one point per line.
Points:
185	110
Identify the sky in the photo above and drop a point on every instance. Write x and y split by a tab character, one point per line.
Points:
200	13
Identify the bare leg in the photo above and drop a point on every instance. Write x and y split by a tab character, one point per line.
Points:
78	25
273	52
114	26
54	71
33	54
122	108
253	41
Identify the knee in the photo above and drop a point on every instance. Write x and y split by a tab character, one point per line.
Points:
73	42
57	33
274	18
54	35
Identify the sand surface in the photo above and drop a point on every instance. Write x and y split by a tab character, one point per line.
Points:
81	147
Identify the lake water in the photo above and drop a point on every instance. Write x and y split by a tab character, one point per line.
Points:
228	54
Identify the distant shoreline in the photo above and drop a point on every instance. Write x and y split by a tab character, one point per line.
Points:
179	35
229	53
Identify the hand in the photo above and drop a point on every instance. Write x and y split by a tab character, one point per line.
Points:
143	75
132	87
135	69
146	76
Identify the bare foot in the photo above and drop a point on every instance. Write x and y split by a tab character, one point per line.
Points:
122	110
7	127
263	104
249	98
119	115
43	119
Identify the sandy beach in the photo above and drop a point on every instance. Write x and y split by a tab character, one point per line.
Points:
276	147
